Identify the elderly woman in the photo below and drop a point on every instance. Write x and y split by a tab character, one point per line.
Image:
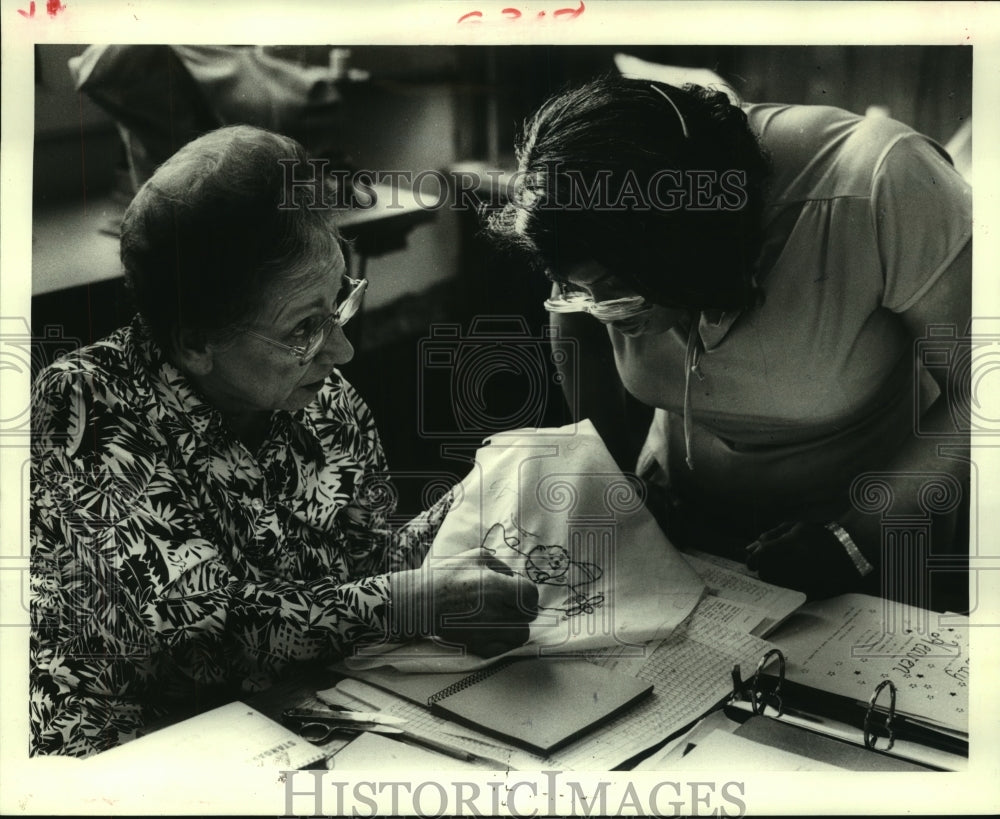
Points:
209	497
762	274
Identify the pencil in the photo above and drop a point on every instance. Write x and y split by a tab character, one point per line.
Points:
441	747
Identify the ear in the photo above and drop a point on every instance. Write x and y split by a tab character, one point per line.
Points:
193	352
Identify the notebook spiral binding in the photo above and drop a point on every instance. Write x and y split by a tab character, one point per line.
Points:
465	682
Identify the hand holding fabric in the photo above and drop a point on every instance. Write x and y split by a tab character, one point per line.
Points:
468	600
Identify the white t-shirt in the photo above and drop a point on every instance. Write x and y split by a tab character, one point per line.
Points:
803	392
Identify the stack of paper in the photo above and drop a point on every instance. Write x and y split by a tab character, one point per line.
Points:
690	672
233	735
847	645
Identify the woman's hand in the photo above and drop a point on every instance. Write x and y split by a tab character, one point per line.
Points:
469	600
803	556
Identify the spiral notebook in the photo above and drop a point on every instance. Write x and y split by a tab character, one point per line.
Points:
538	704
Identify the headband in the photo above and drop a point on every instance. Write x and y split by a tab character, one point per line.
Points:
677	110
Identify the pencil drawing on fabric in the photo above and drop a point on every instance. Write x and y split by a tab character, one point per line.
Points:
548	564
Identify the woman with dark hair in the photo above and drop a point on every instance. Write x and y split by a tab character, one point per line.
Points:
209	495
763	273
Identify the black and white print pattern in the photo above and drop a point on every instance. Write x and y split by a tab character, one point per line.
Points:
169	561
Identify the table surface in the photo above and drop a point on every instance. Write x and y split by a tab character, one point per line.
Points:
73	244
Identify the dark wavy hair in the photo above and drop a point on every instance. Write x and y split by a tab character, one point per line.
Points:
204	239
626	133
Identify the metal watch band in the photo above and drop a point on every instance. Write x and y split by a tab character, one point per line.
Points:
860	563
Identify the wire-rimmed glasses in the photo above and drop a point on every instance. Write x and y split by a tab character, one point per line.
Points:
344	313
576	301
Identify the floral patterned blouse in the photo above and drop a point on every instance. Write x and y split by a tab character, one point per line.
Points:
168	561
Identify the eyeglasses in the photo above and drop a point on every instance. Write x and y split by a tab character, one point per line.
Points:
576	301
346	310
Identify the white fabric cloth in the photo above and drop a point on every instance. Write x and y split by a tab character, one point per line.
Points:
552	506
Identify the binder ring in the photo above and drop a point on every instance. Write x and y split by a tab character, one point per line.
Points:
870	737
757	697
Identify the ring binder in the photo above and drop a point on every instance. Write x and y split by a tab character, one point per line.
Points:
848	720
757	696
870	737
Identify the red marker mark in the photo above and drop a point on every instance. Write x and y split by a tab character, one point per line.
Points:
511	13
53	7
570	14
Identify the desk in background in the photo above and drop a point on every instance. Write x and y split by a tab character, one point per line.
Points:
75	245
76	274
